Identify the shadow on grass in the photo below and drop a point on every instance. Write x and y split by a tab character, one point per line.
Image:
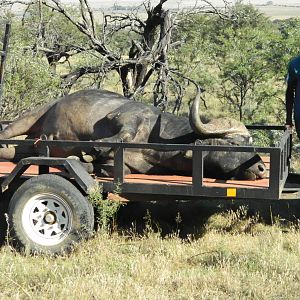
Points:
190	217
4	201
186	218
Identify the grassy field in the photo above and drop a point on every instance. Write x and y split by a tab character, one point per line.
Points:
280	12
271	11
197	254
234	257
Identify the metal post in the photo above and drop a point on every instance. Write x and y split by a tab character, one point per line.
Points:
118	165
197	170
3	57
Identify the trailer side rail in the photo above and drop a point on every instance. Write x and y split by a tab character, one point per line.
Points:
279	168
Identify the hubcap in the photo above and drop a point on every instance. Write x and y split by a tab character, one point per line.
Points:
50	217
47	219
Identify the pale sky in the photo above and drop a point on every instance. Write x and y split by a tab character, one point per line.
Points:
185	2
175	3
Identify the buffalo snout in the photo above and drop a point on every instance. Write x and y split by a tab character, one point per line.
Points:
259	169
252	169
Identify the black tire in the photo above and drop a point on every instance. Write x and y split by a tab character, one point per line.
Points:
48	214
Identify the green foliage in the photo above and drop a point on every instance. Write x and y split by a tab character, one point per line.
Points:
105	210
245	75
28	83
240	60
287	46
194	56
236	60
55	29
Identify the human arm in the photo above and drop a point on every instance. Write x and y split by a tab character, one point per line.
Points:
289	104
290	96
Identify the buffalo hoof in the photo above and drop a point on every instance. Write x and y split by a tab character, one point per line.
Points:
88	167
88	158
73	157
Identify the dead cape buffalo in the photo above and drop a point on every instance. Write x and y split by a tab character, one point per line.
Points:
106	116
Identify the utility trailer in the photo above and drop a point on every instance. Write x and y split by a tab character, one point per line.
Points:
49	210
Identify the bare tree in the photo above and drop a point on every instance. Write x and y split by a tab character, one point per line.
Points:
3	55
146	58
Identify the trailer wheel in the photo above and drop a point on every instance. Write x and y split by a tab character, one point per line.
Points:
48	214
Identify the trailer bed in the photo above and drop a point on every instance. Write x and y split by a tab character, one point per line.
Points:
187	180
196	186
7	167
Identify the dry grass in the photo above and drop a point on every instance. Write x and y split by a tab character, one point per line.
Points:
280	12
236	258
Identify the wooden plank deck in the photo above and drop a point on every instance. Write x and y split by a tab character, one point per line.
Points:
187	180
7	167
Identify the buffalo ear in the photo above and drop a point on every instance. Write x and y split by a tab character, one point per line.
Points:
188	154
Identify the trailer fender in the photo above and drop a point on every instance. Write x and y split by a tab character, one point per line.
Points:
73	168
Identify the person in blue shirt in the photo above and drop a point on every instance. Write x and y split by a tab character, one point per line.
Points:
292	96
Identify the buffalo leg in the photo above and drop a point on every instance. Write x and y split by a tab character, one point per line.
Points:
107	169
29	124
125	136
16	153
7	153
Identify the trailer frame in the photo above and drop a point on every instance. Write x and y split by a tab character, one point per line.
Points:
280	156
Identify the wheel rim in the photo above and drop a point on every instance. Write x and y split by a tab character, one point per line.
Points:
47	219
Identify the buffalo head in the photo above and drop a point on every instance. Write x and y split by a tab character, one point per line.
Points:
234	165
225	131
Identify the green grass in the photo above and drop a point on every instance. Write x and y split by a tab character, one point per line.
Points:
236	258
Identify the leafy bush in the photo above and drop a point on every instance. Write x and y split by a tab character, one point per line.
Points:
105	210
28	83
